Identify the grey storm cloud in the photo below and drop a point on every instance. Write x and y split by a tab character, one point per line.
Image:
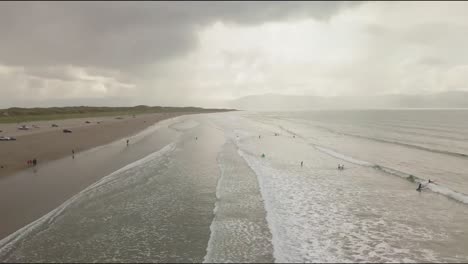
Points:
199	53
124	35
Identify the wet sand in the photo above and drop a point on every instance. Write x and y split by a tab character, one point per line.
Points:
47	143
27	193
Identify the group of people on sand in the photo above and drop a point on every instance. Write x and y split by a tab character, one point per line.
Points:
340	166
32	162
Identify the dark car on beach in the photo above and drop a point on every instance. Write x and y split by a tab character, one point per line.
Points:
67	131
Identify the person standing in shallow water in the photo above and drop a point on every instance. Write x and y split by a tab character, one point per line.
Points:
419	187
128	141
302	163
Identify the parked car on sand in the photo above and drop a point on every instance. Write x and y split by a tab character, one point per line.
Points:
2	138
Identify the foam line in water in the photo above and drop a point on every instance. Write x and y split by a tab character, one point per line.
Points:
209	248
184	125
343	157
460	197
447	192
8	242
252	163
445	152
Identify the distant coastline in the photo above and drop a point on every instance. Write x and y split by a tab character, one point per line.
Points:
20	114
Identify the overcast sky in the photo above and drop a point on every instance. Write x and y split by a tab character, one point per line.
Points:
201	53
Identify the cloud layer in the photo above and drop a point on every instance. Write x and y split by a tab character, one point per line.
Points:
180	53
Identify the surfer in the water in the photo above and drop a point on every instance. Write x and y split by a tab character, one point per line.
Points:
419	187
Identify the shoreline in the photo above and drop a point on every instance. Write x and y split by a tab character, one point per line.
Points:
48	143
28	194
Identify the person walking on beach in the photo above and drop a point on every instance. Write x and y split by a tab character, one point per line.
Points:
73	153
128	141
302	163
34	162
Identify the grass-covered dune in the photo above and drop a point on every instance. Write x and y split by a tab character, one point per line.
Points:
18	115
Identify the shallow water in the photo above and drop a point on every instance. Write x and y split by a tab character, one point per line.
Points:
208	195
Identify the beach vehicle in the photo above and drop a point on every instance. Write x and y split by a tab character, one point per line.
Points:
54	125
67	131
23	127
87	122
2	138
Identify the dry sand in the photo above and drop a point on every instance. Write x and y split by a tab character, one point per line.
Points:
48	143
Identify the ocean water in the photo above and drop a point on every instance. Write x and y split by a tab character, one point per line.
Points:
210	196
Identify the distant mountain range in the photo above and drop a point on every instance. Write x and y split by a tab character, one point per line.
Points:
276	102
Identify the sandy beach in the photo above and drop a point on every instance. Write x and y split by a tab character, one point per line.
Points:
27	193
45	143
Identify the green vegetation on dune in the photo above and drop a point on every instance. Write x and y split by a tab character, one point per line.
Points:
18	115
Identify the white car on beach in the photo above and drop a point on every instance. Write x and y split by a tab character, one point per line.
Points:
2	138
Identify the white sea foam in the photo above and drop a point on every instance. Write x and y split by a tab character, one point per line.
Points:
437	188
344	157
209	248
185	124
448	192
278	254
9	242
239	231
